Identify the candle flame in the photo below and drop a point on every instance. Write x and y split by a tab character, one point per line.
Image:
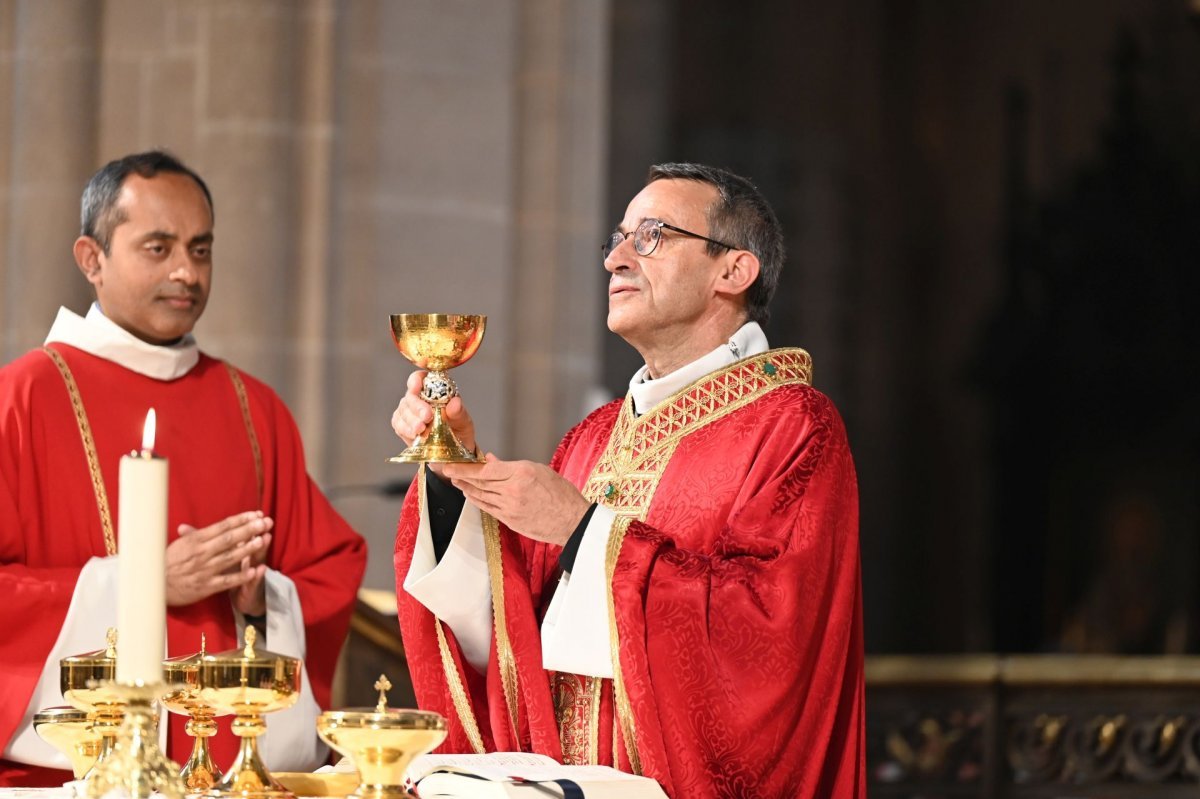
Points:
148	432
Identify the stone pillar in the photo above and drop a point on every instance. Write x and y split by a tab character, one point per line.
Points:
365	158
557	270
47	114
466	179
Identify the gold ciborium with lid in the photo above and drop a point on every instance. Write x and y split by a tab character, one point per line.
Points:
69	730
87	684
200	772
249	683
381	742
437	342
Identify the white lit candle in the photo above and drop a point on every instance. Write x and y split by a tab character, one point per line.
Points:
142	566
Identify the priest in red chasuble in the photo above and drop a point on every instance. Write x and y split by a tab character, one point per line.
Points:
251	540
677	594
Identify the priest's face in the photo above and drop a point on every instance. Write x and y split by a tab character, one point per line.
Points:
657	299
154	280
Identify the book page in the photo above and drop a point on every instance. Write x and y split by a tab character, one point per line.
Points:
498	766
493	775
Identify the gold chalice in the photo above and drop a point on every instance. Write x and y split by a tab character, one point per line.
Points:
86	682
69	730
381	741
249	683
437	342
199	773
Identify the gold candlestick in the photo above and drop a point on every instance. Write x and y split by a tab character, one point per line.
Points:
249	683
136	767
200	772
381	742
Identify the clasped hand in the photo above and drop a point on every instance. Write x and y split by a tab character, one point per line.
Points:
227	556
528	498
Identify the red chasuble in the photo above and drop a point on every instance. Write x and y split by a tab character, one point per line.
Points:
734	599
50	524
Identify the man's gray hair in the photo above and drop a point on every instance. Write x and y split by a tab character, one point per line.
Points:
743	218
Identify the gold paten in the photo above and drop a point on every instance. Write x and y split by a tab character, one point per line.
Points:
69	730
381	742
437	342
248	683
200	772
86	682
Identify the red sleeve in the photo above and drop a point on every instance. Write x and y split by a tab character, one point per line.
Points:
749	655
35	599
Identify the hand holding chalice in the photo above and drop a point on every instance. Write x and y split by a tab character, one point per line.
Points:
437	343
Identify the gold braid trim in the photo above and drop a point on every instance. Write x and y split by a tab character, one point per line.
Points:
89	449
458	694
624	711
594	723
508	667
244	402
639	448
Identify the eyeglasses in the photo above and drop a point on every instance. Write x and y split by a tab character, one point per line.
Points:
647	236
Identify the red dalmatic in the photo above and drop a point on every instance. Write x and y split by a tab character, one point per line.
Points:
734	596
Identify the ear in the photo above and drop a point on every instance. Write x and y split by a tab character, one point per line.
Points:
739	270
88	253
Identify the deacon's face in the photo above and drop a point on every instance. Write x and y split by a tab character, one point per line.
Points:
154	281
664	294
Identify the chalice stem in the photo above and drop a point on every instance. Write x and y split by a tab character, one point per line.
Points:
200	772
107	724
248	777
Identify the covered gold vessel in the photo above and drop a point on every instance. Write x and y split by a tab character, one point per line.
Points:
249	683
381	742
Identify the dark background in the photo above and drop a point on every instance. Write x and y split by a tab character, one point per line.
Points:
992	213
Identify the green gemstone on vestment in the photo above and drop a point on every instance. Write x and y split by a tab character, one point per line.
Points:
769	368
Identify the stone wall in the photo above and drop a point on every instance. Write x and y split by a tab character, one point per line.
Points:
365	158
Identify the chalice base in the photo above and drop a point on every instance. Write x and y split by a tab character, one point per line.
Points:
249	778
439	445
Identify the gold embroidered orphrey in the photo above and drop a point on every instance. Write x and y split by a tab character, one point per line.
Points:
625	479
89	443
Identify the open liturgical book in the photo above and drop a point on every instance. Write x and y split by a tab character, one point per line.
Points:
529	776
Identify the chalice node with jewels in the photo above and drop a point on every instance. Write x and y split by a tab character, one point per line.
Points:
437	343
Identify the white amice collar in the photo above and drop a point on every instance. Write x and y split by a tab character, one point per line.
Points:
98	335
748	340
